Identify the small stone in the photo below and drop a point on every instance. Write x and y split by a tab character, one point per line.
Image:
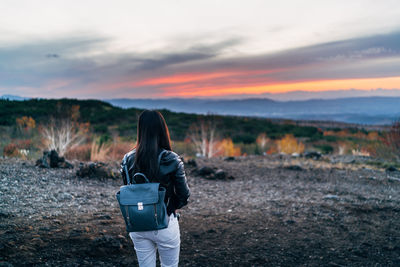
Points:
294	168
64	196
333	197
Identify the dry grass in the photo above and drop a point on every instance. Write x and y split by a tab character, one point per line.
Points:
99	152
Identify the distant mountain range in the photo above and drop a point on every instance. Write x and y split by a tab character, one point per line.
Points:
329	94
13	97
361	110
374	110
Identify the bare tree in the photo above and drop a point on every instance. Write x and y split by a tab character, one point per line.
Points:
204	137
262	140
63	133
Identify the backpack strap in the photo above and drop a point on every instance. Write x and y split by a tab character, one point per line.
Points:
128	180
160	156
141	174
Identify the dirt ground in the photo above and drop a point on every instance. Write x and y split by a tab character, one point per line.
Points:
271	214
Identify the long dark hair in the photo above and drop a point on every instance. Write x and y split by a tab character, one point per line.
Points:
152	136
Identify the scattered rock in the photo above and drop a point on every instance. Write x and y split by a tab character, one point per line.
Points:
210	173
333	197
204	171
220	174
347	159
5	215
104	217
75	233
293	168
95	170
50	159
229	159
312	155
192	162
63	196
391	169
107	242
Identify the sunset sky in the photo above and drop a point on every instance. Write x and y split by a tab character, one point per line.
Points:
218	49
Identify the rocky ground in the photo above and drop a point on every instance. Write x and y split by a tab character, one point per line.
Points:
277	211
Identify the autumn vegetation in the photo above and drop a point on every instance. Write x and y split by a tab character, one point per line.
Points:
91	130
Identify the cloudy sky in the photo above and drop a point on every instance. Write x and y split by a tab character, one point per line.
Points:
171	48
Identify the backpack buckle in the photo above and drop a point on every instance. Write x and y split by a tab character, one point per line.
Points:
140	205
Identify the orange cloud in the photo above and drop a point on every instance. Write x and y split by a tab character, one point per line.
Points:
193	77
319	85
183	78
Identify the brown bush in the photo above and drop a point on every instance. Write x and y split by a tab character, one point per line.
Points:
95	152
392	138
227	148
18	148
119	149
25	124
24	144
79	152
11	150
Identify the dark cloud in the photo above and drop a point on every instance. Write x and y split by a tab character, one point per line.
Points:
52	56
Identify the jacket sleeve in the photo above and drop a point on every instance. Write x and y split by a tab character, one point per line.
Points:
122	170
127	161
181	187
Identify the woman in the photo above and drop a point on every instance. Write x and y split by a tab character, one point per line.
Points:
152	138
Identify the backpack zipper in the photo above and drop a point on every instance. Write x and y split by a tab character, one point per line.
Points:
155	214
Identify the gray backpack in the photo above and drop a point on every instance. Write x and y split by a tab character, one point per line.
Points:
142	205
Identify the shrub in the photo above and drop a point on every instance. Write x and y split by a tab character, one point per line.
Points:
324	148
99	152
25	124
119	149
79	152
101	128
250	149
227	148
184	148
109	151
19	148
11	150
343	147
392	138
288	145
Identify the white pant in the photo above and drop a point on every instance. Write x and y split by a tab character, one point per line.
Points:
167	241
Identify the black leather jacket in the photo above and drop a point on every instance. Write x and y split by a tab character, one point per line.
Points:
171	176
